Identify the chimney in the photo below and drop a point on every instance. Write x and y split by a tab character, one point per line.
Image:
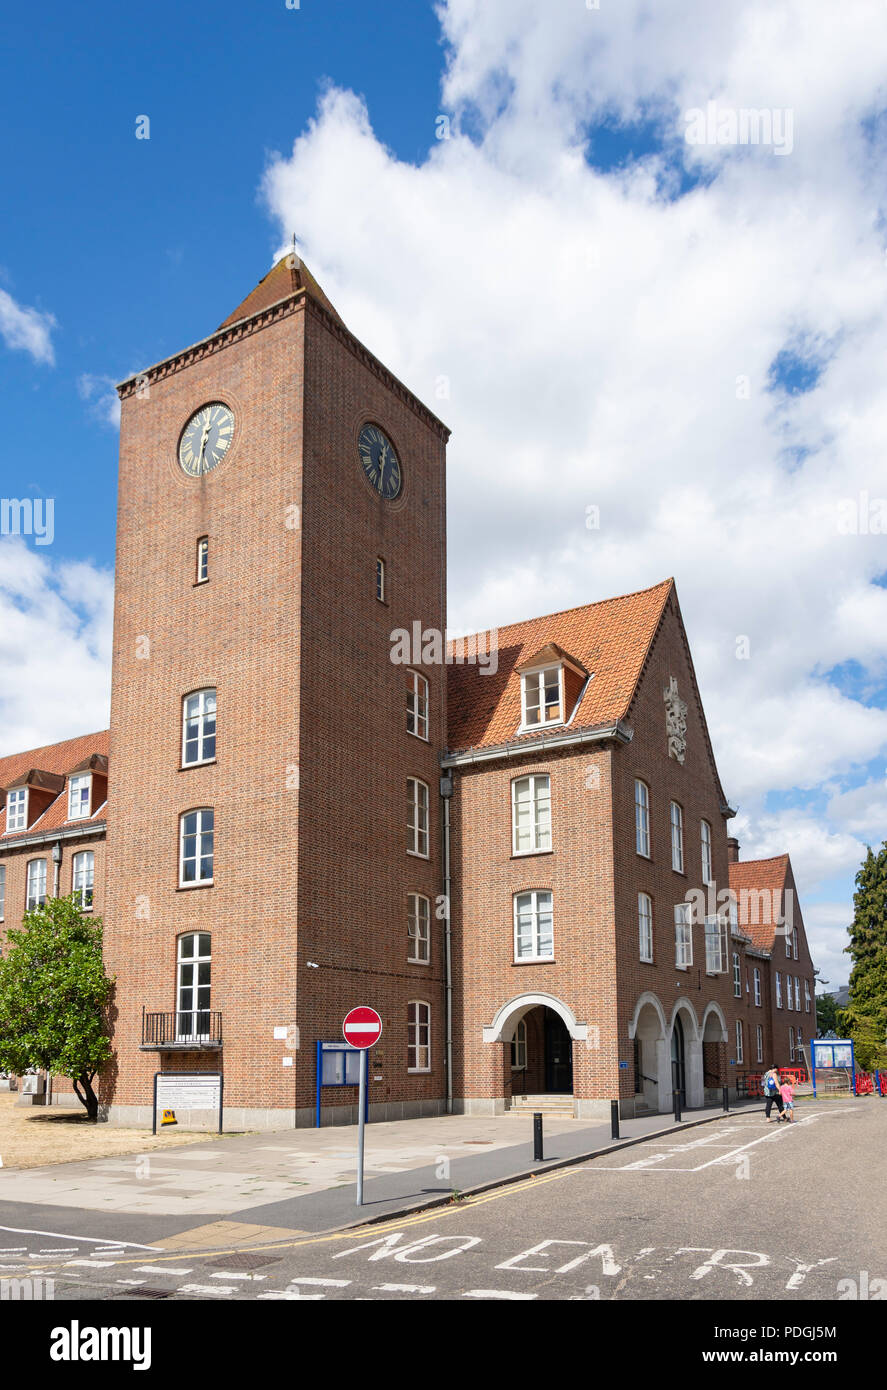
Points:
732	850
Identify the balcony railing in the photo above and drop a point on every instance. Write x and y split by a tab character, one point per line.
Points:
190	1030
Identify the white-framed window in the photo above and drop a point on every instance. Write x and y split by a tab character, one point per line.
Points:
737	976
757	984
705	838
83	879
79	790
759	1042
199	727
677	838
788	992
418	1036
791	1044
788	943
380	579
715	946
196	836
795	942
203	560
417	705
800	1043
2	891
683	936
417	817
519	1047
17	809
419	928
542	695
806	996
778	990
645	926
642	818
739	1052
533	926
797	994
531	814
193	978
36	884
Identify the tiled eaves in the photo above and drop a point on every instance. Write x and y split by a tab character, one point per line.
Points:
298	302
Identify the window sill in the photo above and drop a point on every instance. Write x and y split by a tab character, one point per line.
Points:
205	762
640	854
199	583
685	968
418	1071
539	728
535	960
189	887
644	961
423	738
412	961
529	853
416	854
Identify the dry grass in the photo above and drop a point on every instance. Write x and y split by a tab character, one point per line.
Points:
31	1136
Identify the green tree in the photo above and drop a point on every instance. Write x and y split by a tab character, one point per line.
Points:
826	1014
53	997
865	1020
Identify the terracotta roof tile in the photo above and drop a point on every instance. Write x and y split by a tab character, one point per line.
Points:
284	279
59	758
766	876
610	638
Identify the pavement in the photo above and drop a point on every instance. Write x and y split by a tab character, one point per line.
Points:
730	1209
300	1180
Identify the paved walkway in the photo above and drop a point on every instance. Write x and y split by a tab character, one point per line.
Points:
304	1179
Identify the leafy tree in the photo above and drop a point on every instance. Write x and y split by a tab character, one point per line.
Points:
826	1014
53	997
866	1018
867	1032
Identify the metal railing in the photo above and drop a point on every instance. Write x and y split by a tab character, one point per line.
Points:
182	1028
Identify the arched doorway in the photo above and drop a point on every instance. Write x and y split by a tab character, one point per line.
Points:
538	1032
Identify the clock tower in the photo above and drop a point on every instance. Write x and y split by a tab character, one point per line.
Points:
274	832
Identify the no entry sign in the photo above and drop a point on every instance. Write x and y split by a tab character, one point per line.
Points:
362	1027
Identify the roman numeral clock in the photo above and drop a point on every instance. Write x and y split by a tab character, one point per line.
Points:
381	466
206	439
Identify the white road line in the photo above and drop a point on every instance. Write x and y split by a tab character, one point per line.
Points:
60	1250
133	1282
289	1296
161	1269
499	1293
93	1264
13	1249
66	1235
229	1274
322	1283
406	1288
214	1289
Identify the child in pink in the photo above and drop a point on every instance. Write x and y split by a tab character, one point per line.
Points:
787	1092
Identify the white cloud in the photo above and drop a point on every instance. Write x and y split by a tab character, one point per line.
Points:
55	644
595	337
26	329
101	396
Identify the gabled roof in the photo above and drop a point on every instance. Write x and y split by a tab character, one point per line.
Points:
611	639
550	655
61	759
749	877
286	278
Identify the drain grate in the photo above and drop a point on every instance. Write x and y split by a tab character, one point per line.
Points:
244	1261
146	1292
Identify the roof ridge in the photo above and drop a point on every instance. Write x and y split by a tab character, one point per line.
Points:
562	612
770	859
59	743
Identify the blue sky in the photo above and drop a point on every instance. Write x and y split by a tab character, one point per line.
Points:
688	338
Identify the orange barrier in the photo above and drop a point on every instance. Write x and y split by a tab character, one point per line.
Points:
865	1084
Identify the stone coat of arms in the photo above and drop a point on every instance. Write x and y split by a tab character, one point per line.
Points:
675	720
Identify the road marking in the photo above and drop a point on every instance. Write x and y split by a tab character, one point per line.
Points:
406	1288
232	1274
93	1264
66	1235
213	1289
133	1282
322	1283
289	1295
499	1293
161	1269
59	1250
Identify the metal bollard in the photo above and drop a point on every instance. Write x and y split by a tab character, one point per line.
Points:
538	1155
677	1106
614	1119
726	1097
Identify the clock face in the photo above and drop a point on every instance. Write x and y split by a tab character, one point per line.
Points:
380	462
206	439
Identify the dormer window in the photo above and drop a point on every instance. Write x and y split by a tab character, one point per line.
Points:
79	789
543	697
17	809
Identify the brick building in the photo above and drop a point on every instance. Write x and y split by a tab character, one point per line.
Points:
303	775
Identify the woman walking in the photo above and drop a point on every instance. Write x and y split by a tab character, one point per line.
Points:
770	1084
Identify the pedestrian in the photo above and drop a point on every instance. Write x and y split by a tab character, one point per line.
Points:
771	1093
787	1092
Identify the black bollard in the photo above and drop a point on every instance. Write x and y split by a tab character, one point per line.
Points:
726	1097
614	1119
677	1106
538	1155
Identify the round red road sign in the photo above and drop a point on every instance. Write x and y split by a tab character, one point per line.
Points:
362	1027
